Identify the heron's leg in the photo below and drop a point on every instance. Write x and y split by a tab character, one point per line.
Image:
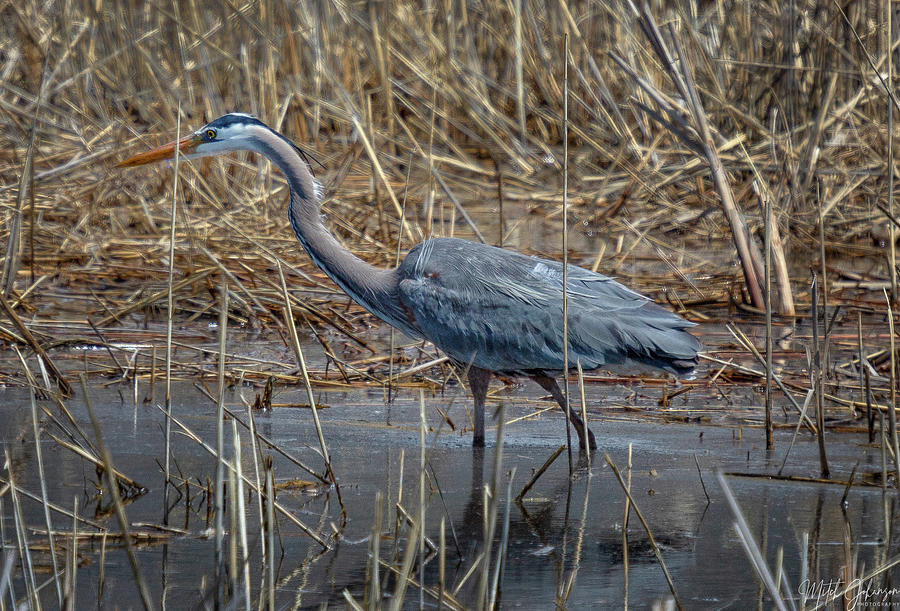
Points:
478	382
584	433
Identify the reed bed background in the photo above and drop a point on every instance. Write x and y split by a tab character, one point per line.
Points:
460	104
434	118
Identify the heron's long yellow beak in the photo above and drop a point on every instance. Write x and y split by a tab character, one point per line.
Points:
166	151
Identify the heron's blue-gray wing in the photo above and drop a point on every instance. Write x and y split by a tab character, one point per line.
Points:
502	311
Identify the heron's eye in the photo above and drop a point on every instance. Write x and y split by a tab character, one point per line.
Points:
210	134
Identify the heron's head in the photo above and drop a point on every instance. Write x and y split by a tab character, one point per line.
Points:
231	132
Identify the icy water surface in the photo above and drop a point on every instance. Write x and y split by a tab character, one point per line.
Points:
565	530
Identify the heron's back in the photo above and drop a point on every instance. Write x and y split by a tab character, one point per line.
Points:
502	311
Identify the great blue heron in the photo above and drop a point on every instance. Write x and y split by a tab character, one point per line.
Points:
490	310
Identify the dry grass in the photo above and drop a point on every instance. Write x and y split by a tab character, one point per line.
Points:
448	90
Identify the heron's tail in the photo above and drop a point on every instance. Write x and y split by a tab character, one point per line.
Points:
664	342
649	335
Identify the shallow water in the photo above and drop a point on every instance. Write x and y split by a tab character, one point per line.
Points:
562	524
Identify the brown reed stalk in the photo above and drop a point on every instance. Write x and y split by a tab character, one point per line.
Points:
269	533
231	585
255	434
301	362
44	497
862	370
241	511
491	506
583	411
281	509
500	565
746	343
72	561
12	261
579	543
565	251
442	563
767	266
625	519
373	582
6	569
170	313
22	536
818	378
257	459
112	486
892	408
220	449
892	231
396	264
520	84
404	577
656	551
423	424
61	380
753	551
101	580
537	474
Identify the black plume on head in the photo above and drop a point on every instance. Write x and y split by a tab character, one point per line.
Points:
236	118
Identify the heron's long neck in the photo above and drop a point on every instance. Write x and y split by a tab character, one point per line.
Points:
373	288
365	283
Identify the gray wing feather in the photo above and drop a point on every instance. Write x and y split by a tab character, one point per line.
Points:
502	311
